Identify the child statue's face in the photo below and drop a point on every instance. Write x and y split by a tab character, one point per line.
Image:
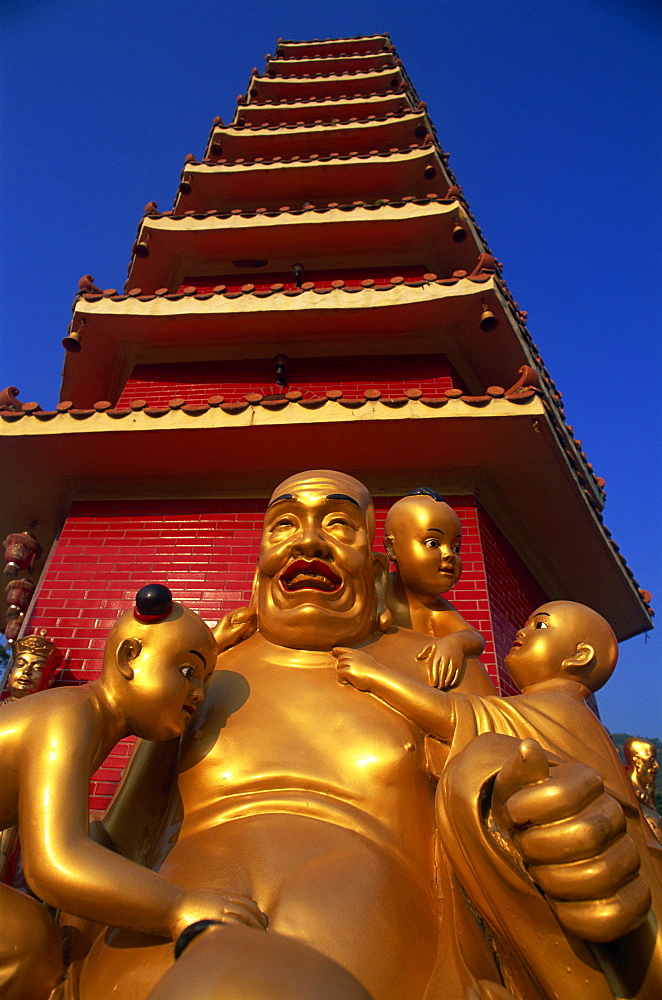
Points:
168	678
426	538
542	645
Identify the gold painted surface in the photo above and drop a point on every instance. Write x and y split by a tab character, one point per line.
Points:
423	538
314	798
642	768
50	745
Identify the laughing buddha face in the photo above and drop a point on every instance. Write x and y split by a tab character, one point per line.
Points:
316	582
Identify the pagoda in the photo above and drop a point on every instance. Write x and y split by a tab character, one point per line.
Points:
320	295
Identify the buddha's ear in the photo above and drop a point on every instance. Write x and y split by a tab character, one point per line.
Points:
127	651
381	567
389	546
256	580
583	657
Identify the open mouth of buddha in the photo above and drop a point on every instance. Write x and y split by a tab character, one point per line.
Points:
309	574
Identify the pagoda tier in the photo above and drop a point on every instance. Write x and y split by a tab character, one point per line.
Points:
330	65
364	176
309	111
410	316
319	294
323	47
357	82
417	233
395	130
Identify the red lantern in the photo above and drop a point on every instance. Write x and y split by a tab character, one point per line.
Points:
19	594
13	624
21	552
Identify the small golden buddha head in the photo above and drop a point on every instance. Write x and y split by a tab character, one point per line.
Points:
563	639
423	535
641	757
157	658
36	659
316	571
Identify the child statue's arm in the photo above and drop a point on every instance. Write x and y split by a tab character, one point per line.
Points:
68	870
431	710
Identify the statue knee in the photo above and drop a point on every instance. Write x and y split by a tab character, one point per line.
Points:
238	963
31	958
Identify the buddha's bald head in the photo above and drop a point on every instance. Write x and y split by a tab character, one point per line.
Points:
336	485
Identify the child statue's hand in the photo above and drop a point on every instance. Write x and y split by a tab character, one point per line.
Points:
355	667
445	659
234	627
224	907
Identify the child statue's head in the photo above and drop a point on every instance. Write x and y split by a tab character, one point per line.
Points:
423	537
563	639
156	660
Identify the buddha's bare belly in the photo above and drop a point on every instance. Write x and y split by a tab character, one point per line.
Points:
314	803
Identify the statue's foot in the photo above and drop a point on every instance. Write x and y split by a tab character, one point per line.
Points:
237	963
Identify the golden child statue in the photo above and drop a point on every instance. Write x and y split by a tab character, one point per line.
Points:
156	660
423	536
642	768
563	653
315	799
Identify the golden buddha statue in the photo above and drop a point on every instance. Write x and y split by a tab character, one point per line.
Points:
35	662
294	788
642	768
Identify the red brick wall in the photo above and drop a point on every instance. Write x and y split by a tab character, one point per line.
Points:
195	382
513	592
205	551
352	277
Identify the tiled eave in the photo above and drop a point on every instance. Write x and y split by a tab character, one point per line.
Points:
436	316
309	109
320	86
408	232
337	178
318	136
356	43
477	445
335	63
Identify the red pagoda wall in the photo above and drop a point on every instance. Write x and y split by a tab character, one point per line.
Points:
205	550
513	592
195	382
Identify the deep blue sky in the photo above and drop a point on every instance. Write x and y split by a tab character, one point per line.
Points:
549	109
